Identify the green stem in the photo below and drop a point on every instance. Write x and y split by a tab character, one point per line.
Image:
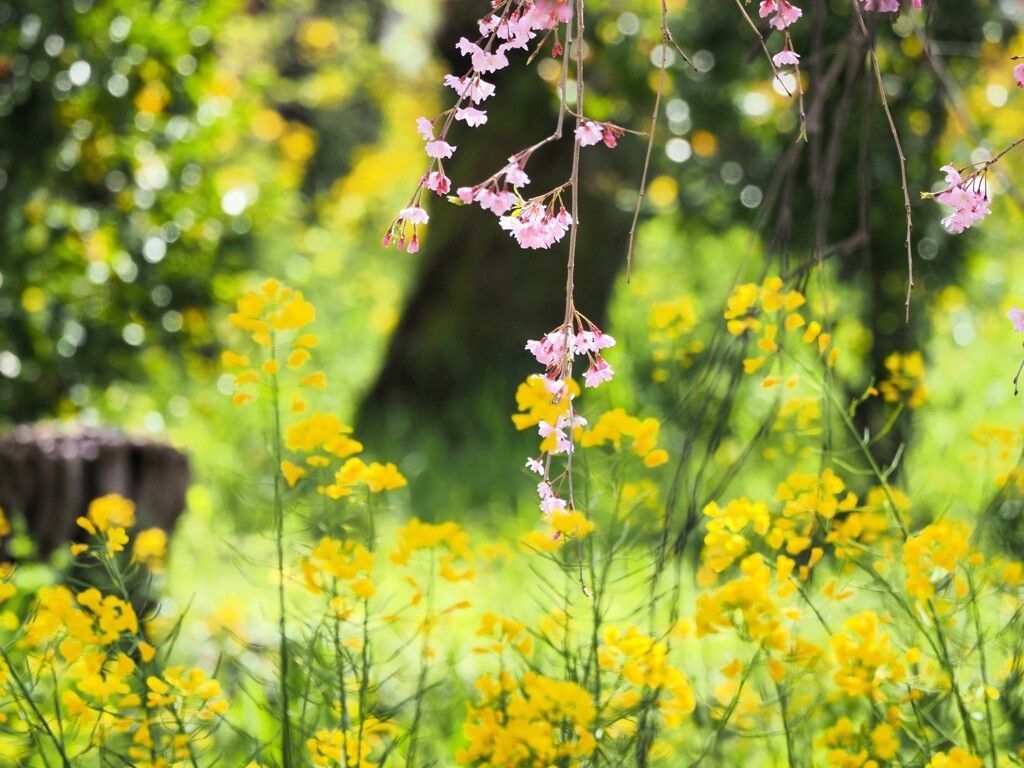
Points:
57	743
984	671
713	740
286	724
421	680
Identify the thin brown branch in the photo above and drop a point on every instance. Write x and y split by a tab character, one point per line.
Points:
764	47
665	38
899	152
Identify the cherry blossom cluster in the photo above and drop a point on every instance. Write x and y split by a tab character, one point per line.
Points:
511	25
592	132
782	14
1017	318
556	351
538	222
969	198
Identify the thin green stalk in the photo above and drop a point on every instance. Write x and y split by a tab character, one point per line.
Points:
364	677
713	739
984	670
339	664
364	674
282	628
27	695
421	679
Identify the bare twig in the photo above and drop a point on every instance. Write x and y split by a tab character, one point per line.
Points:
899	152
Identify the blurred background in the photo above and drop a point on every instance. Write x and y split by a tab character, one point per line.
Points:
159	158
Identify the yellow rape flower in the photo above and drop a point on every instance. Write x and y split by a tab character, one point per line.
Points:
106	512
955	758
864	658
150	548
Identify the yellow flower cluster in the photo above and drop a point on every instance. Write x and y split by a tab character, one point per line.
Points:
746	604
86	651
766	309
272	309
325	438
265	314
536	404
352	747
529	724
860	529
864	660
669	322
806	498
416	536
333	561
957	757
906	374
616	424
934	553
862	747
809	502
107	518
641	661
723	543
184	694
506	633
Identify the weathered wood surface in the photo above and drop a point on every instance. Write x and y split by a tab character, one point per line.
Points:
50	477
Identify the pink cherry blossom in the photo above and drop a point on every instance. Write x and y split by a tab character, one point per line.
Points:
965	197
555	387
534	465
589	133
552	506
592	341
598	372
534	227
1017	318
497	203
546	14
514	174
414	244
516	32
488	24
786	56
415	215
473	117
440	149
485	61
467	48
544	489
425	128
1018	72
785	13
479	90
473	87
466	194
437	182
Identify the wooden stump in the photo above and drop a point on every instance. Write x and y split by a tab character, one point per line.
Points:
50	477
